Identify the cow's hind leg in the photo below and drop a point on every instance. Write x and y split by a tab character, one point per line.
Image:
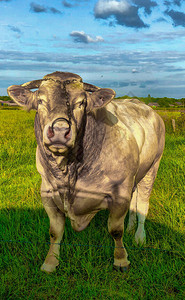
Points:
144	188
57	222
116	229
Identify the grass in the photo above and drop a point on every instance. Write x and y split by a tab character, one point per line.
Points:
85	272
177	115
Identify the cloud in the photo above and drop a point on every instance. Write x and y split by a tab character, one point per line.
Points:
34	7
72	3
173	2
82	37
14	29
37	8
67	4
113	84
105	8
177	17
142	37
123	13
146	4
151	61
54	10
177	2
146	37
161	19
135	70
116	66
167	3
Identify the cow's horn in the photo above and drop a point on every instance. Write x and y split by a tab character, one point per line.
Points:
32	84
89	87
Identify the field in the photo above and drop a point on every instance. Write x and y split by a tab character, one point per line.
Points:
85	271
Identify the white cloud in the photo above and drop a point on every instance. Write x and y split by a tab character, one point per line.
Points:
134	71
82	37
122	11
107	7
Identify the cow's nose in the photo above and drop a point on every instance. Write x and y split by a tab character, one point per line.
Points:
56	131
59	130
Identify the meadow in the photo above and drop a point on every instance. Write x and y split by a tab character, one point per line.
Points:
85	271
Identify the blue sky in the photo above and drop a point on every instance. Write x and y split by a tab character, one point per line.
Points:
132	46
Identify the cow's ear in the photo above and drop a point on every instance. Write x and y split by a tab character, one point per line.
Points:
102	97
22	96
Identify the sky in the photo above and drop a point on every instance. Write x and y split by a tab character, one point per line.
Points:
135	47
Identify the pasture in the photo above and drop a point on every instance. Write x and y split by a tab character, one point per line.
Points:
85	271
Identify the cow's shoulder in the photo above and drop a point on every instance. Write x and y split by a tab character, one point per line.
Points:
132	108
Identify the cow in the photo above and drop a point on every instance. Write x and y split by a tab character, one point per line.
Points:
94	153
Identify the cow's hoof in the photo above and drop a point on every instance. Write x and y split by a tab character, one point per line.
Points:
48	268
121	269
140	237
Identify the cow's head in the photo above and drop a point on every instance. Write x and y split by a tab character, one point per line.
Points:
61	100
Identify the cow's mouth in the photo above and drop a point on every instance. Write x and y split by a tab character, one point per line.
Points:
57	148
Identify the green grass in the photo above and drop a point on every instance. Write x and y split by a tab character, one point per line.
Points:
85	272
178	116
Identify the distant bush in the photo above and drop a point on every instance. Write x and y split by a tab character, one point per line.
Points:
181	122
5	98
7	107
179	118
163	102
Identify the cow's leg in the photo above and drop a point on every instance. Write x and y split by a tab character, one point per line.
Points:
144	188
57	222
132	212
118	211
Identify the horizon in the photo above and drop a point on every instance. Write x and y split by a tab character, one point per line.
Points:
131	46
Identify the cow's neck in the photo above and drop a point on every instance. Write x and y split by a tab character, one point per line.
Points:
82	157
94	134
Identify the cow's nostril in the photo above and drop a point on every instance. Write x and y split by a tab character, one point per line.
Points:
50	132
67	134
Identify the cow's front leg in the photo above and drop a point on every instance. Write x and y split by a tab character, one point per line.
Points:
116	229
132	212
57	223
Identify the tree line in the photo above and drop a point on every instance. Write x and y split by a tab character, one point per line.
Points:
162	102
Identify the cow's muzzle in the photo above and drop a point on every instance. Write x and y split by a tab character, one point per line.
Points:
51	131
59	135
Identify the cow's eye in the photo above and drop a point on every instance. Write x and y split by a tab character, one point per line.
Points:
81	103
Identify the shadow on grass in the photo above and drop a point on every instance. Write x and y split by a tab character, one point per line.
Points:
86	258
21	227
